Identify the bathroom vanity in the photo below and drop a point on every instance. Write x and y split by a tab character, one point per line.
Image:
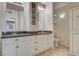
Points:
27	43
25	28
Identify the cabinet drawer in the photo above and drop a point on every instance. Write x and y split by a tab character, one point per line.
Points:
13	41
40	36
8	41
35	50
20	39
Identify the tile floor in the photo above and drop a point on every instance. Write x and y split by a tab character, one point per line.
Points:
59	51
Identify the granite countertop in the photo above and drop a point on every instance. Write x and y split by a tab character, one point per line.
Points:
22	34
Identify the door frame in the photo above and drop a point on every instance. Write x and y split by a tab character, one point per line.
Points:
70	28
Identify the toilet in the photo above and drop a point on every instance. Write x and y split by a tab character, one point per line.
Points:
56	42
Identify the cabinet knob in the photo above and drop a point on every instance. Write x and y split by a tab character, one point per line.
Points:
17	46
36	49
36	37
16	39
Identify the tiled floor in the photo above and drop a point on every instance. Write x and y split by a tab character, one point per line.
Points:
59	51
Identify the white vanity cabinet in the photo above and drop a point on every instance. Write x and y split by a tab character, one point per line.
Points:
21	49
37	44
27	17
48	22
8	47
49	40
45	17
14	46
20	46
46	41
41	20
27	45
41	43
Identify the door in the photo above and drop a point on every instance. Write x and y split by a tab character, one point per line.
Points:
76	44
75	31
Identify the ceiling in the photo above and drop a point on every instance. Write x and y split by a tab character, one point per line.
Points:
65	4
60	4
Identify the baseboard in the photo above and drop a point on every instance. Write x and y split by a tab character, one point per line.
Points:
63	45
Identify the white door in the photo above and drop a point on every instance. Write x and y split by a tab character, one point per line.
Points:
75	31
10	50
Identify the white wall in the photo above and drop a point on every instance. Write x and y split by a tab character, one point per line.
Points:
61	27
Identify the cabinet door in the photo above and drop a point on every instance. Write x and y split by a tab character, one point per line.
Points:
27	16
24	47
22	22
48	23
41	43
46	41
49	17
21	46
49	42
41	18
9	50
9	47
21	49
30	45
